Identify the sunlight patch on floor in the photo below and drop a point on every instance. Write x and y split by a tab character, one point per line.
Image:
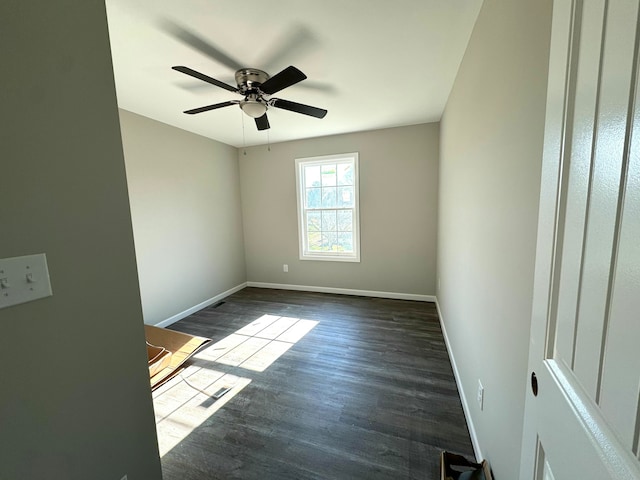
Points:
188	400
260	343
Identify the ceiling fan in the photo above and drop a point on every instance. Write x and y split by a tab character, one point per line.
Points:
256	86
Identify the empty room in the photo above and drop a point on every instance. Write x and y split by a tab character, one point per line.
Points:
319	240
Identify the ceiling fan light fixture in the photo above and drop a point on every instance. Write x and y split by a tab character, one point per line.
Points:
253	108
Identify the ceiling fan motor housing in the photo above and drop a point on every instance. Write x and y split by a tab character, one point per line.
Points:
250	79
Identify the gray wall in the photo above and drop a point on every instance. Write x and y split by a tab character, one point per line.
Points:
398	211
491	148
187	222
75	401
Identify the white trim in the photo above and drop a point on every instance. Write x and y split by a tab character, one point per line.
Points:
345	291
463	397
200	306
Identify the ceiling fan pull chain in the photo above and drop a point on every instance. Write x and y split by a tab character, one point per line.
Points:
244	143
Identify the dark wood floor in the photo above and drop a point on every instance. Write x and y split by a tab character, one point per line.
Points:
367	393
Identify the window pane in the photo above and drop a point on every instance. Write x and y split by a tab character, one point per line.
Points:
312	176
345	241
329	197
314	223
345	220
314	197
345	197
329	221
328	175
345	174
314	241
327	202
329	241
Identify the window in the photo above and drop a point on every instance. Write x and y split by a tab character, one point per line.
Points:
327	190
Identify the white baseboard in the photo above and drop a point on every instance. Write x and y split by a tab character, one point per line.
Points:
305	288
345	291
463	397
200	306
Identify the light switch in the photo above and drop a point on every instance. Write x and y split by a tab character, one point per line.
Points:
23	279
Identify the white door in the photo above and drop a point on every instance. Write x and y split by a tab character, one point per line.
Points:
584	422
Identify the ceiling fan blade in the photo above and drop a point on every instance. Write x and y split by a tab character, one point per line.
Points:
262	122
206	88
298	107
287	77
292	44
198	43
211	107
205	78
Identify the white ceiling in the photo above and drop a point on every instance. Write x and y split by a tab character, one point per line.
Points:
371	63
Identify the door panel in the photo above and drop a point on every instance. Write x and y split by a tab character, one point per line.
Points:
584	422
581	126
621	370
610	135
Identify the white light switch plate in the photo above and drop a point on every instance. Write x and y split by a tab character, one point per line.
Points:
23	279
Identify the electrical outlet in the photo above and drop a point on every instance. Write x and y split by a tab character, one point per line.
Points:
285	268
480	396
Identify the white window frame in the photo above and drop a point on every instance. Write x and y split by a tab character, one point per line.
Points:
305	253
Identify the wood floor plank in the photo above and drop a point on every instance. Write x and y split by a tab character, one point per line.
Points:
357	388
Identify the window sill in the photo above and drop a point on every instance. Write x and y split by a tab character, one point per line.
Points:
330	258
